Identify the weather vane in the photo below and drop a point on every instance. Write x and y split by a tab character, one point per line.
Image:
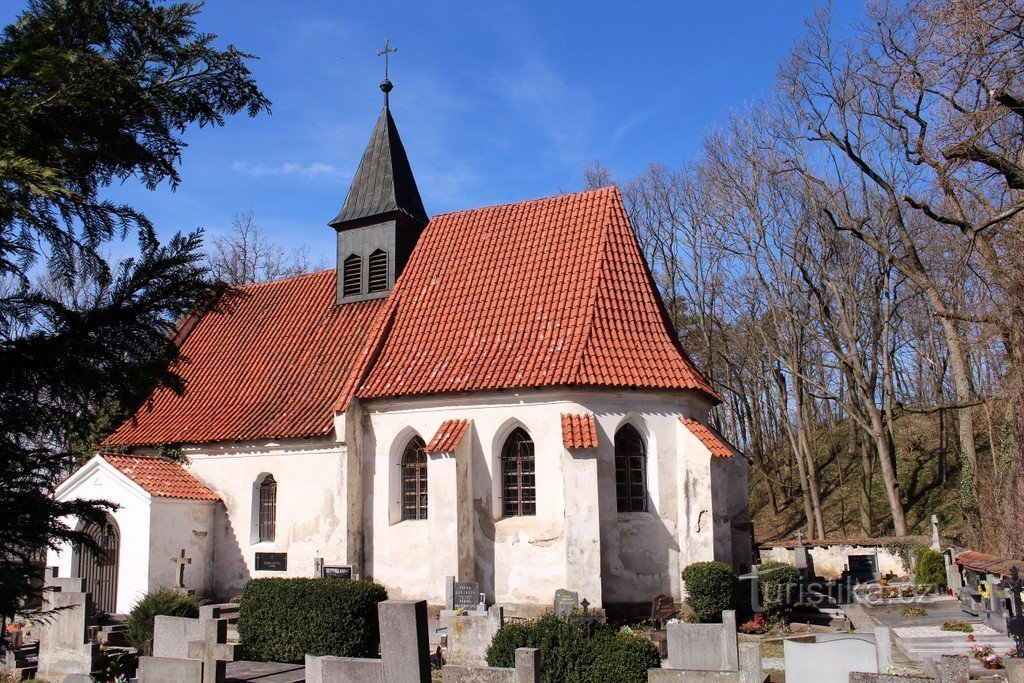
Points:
386	53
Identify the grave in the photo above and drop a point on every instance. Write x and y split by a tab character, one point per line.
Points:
832	657
470	635
566	602
527	670
214	650
709	652
404	650
952	669
65	648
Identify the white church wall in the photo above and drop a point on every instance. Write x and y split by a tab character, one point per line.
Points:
310	498
695	503
178	525
577	540
98	480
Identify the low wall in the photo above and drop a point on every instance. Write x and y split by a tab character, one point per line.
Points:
831	560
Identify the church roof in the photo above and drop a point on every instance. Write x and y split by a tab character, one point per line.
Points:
579	431
552	292
161	478
383	183
712	440
448	436
267	363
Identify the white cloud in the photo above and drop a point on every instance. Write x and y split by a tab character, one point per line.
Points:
317	169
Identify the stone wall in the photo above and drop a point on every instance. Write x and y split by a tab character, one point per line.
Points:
830	560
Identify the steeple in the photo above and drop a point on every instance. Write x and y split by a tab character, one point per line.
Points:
382	216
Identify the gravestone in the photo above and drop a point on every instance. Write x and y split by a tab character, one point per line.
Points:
337	572
271	562
65	648
831	661
704	647
471	634
663	608
465	595
163	669
566	602
749	670
214	650
172	635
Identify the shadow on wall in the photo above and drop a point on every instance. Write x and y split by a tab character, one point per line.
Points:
231	572
483	522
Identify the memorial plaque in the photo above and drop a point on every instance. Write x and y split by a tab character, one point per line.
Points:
663	608
337	572
566	602
271	562
465	595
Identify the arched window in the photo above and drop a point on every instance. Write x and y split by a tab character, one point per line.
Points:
268	509
630	470
414	480
378	271
352	275
518	482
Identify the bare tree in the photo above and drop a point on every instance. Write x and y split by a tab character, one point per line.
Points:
246	255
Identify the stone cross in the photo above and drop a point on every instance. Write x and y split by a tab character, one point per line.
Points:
1015	624
181	561
214	650
799	537
936	543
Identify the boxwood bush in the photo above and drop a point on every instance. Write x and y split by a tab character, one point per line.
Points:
930	567
710	588
779	584
283	620
567	655
163	601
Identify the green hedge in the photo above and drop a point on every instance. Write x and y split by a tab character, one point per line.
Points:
163	602
567	655
711	587
283	620
779	584
930	567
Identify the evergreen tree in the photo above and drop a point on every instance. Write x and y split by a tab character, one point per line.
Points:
91	92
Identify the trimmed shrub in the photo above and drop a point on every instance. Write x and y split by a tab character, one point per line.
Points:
567	655
930	568
283	620
779	584
169	602
710	588
624	658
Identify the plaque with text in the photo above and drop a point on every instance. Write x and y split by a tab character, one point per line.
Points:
337	572
465	595
271	562
566	602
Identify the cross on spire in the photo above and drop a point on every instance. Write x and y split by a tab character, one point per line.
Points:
386	53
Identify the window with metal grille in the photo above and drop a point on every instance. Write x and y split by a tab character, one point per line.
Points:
630	470
352	275
518	482
414	480
378	271
268	508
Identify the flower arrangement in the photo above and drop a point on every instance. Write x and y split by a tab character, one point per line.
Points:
756	625
984	591
958	625
987	656
910	612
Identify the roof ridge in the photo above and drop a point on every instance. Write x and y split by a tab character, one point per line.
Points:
588	324
265	283
525	202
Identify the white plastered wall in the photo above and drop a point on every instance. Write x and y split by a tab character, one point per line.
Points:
177	525
98	480
577	540
310	506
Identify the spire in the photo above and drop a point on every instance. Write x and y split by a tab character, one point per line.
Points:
383	183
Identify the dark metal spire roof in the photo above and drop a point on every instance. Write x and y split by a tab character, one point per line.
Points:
383	182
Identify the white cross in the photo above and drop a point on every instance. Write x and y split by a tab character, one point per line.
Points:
181	561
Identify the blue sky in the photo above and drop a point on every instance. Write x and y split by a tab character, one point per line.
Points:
495	101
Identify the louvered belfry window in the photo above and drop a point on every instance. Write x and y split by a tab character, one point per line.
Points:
352	275
378	271
414	480
518	481
630	470
268	509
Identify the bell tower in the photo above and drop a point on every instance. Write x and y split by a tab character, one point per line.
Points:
383	214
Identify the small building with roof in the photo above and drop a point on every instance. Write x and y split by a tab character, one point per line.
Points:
496	395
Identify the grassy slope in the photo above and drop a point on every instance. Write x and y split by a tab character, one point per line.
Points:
839	475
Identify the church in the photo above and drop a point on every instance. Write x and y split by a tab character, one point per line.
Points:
495	395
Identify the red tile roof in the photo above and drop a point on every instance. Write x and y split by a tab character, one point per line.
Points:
448	436
161	478
579	431
982	562
552	292
714	442
269	363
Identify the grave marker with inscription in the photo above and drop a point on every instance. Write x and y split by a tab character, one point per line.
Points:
271	562
465	595
566	602
339	572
